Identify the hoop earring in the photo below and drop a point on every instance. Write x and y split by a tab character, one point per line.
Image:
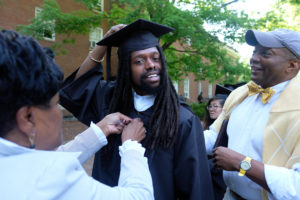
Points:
31	140
31	146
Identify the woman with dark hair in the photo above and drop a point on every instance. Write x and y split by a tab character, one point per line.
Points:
31	123
213	110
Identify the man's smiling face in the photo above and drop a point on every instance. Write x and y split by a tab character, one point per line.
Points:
145	70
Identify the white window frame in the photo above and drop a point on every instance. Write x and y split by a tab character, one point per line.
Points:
210	93
99	6
189	41
37	10
96	34
199	87
175	84
186	88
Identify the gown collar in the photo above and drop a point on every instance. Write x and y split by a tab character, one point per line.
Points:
142	103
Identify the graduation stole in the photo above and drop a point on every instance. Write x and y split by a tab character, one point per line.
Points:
281	139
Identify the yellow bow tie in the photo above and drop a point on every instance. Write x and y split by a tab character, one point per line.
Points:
266	94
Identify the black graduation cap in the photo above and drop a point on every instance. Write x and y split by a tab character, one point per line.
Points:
227	88
222	90
139	35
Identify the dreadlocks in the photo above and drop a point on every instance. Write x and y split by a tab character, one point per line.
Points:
165	106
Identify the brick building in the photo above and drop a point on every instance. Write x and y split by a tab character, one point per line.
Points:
16	12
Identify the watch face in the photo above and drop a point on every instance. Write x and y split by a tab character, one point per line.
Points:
245	165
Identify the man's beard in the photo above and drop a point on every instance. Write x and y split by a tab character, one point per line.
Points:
145	87
149	89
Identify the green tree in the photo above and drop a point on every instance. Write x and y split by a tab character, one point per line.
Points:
285	14
200	53
66	24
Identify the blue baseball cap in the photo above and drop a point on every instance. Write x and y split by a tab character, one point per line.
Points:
279	38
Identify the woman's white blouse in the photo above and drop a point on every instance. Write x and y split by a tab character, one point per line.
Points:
38	175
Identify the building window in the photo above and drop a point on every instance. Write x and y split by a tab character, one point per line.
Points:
175	84
199	87
95	35
48	29
210	86
99	6
188	41
186	88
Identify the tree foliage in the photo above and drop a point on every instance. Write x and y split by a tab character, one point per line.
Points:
285	14
66	24
191	48
200	51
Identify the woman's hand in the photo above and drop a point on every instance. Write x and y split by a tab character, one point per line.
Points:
135	130
113	123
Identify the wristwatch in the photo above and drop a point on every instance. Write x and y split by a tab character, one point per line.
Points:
245	165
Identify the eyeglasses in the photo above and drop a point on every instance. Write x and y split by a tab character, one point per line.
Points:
213	107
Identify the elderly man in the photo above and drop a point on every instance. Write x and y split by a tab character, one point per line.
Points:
175	146
263	156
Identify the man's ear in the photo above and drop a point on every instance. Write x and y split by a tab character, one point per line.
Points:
24	120
294	66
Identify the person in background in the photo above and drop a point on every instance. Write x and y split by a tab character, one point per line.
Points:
31	126
213	109
262	160
200	98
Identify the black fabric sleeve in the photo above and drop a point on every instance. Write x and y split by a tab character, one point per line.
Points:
192	176
83	96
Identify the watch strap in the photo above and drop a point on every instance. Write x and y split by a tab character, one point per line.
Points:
243	172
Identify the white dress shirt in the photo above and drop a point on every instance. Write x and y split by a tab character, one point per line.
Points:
249	119
142	103
34	174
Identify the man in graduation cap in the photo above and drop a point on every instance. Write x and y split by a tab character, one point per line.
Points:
142	89
262	160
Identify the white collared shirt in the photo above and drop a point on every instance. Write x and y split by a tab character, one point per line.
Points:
249	118
142	103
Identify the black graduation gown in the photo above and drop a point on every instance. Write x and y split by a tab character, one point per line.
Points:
179	172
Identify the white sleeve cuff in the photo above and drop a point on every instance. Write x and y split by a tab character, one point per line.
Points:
131	145
99	133
276	176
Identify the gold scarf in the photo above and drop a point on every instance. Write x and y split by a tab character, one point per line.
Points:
281	139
